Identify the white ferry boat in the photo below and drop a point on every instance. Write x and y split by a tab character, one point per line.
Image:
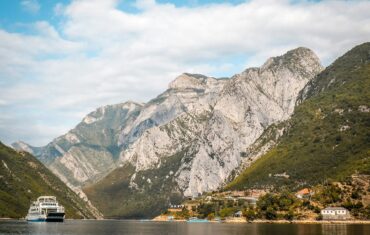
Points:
46	208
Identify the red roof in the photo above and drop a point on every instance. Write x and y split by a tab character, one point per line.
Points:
303	191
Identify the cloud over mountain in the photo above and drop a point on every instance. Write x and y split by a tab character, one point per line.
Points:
99	52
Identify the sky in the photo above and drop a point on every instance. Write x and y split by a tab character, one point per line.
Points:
61	59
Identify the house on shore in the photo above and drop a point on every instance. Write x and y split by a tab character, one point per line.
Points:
335	213
304	193
175	208
191	205
238	214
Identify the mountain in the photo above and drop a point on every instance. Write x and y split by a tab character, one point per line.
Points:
133	159
23	178
20	145
197	149
328	135
90	150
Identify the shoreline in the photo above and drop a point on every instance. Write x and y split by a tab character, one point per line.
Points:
310	222
261	221
229	221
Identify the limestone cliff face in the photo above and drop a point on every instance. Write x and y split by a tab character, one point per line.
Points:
226	117
89	151
211	122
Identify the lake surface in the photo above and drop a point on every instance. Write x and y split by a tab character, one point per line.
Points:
111	227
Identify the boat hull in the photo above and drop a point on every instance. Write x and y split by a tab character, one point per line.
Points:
37	220
51	217
55	217
197	221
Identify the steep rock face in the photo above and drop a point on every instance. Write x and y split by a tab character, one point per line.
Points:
221	127
89	151
186	92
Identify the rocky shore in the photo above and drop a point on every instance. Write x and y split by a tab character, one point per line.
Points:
162	218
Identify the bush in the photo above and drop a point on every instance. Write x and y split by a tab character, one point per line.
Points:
289	215
211	216
225	212
271	213
306	203
355	195
250	214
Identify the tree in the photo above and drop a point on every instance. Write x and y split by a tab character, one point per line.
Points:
290	215
271	213
266	201
211	216
205	209
250	214
225	212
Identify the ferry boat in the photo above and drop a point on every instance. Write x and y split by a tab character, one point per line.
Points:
46	208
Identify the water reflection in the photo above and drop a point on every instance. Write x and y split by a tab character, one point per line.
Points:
338	229
112	227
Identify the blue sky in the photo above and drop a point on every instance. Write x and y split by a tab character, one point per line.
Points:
61	59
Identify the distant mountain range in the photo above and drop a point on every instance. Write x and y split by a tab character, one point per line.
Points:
133	159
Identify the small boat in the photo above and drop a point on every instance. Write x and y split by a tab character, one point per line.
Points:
196	220
217	219
145	220
46	208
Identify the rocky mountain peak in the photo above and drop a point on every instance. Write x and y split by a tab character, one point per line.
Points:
301	59
22	146
189	81
101	112
351	61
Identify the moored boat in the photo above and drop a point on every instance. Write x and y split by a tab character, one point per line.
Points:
46	208
196	220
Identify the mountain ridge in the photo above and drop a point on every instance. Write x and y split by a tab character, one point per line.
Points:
203	122
206	140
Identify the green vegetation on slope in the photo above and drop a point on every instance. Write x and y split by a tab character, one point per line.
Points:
352	194
23	178
156	189
329	134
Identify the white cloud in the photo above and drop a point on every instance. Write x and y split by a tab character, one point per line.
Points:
145	4
101	54
59	9
31	6
3	102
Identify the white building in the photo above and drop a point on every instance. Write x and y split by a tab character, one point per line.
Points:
335	213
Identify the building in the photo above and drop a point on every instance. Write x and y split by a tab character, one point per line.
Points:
237	193
175	208
191	205
256	193
238	214
304	193
335	213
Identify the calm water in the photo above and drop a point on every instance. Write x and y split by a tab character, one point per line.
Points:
111	227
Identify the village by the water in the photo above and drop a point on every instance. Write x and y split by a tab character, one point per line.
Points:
332	202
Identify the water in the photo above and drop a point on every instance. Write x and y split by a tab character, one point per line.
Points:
111	227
